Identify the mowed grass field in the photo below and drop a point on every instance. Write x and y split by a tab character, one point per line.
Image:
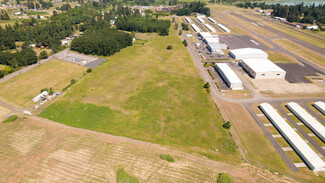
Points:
149	93
279	57
57	74
3	113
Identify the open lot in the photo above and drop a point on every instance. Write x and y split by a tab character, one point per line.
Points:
34	150
296	73
21	89
149	93
81	59
3	113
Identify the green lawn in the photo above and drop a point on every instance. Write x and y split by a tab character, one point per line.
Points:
37	13
149	93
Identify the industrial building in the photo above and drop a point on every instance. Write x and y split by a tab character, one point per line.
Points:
216	48
210	28
200	20
262	69
309	156
212	42
224	28
314	125
229	76
188	20
320	106
244	53
196	28
212	20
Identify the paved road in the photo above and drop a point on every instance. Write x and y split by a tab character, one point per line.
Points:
25	69
283	35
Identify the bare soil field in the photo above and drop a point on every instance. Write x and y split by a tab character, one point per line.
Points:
37	150
3	113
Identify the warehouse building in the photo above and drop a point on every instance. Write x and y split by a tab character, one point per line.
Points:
196	28
229	76
244	53
320	106
200	19
216	48
314	125
210	28
224	28
212	20
40	96
309	156
262	69
188	20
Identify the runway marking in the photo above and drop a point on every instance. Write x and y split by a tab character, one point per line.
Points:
276	136
255	42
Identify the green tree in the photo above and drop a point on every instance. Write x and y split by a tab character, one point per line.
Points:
169	47
224	178
89	70
227	125
185	42
206	85
43	55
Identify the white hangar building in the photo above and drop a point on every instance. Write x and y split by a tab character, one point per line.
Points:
312	160
243	53
261	68
229	76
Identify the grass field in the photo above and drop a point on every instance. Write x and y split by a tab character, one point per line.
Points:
37	13
23	88
279	57
149	93
2	67
302	51
3	113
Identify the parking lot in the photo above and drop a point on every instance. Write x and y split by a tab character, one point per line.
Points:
296	72
85	60
241	41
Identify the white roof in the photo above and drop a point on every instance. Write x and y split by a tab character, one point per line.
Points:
196	28
262	65
212	20
188	20
247	51
200	20
300	146
212	40
223	27
320	106
205	34
210	27
308	120
229	73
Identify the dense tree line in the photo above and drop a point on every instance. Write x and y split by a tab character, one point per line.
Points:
193	7
293	13
65	7
102	42
133	21
21	58
4	15
36	5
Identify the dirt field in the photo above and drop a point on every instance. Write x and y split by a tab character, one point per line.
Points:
3	113
21	89
281	86
34	151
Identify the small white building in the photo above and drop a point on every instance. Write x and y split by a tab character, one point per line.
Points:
212	20
17	13
229	76
65	42
188	20
210	28
312	27
196	28
262	69
40	96
224	28
244	53
200	19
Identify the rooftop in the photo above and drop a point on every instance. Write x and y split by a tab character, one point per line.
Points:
230	74
262	65
246	51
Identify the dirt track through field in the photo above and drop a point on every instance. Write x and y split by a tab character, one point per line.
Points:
36	151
